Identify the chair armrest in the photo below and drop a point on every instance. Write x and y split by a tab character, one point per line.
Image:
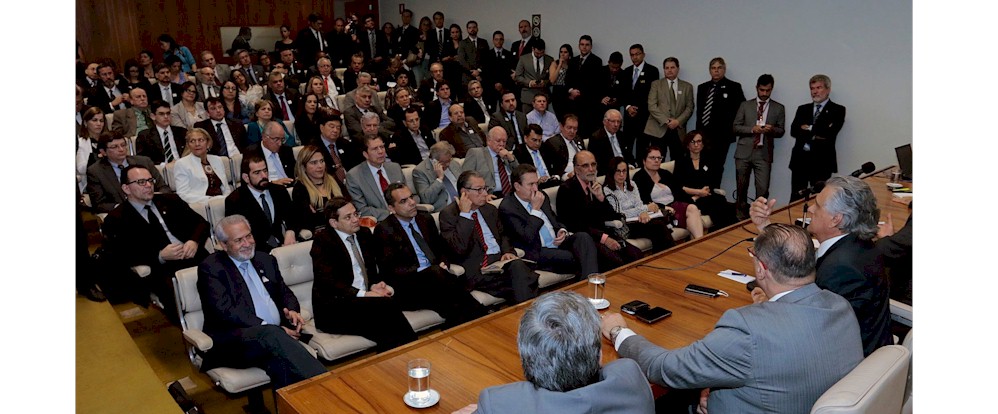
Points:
456	270
616	224
305	234
425	207
142	270
901	313
720	191
519	252
198	339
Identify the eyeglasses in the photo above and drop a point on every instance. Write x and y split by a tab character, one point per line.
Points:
751	252
697	141
587	165
143	181
485	189
229	88
624	171
655	158
191	90
117	146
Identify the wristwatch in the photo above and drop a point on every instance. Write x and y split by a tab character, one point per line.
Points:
614	332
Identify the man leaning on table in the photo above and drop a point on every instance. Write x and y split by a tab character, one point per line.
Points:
560	349
775	356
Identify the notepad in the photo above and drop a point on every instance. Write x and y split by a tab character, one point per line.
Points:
736	276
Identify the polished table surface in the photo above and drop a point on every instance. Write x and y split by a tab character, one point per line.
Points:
483	353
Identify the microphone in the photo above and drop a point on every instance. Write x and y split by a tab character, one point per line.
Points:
818	186
867	168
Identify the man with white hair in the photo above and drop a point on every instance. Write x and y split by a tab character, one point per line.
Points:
365	105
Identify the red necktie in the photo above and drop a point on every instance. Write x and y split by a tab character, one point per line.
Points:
522	44
284	107
503	177
758	137
382	181
481	239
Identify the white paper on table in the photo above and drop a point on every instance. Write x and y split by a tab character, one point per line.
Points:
656	214
736	276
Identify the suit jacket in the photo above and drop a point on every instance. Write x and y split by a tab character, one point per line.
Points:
150	144
432	45
258	72
524	229
555	153
285	154
661	107
333	267
125	121
351	120
397	255
350	80
191	182
527	49
472	109
427	91
432	111
469	54
585	78
156	93
479	159
454	136
821	137
637	93
746	118
227	302
497	70
294	102
242	202
499	119
728	97
349	101
380	47
366	191
582	212
405	150
615	86
130	239
621	388
524	156
406	39
104	186
463	246
752	359
223	71
526	72
349	155
97	96
854	269
430	190
236	129
217	90
307	44
602	149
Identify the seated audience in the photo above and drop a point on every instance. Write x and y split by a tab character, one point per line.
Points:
307	119
269	212
234	108
188	111
313	188
264	113
402	103
435	178
228	136
560	150
280	157
162	142
368	181
286	101
463	132
476	106
657	185
87	154
199	175
131	121
543	117
511	119
625	199
104	176
436	114
411	143
493	162
694	176
611	141
340	153
530	153
363	105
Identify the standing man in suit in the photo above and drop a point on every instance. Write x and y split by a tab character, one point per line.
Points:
844	222
229	136
463	132
406	36
435	39
510	119
582	81
368	181
564	326
251	315
475	238
414	263
498	65
493	162
156	230
285	100
532	73
108	95
751	361
816	125
339	154
470	52
717	103
638	77
131	121
104	176
476	105
164	89
535	229
221	70
269	212
297	73
373	44
311	39
523	46
610	141
348	282
411	143
279	156
435	178
162	142
530	154
757	123
560	150
670	105
611	85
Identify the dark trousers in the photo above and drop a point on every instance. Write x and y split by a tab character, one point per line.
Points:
376	318
270	348
669	143
717	156
577	254
436	289
516	283
612	259
657	230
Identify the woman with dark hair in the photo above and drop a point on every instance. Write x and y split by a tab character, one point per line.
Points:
249	95
306	120
263	114
452	67
556	75
188	111
422	66
177	75
234	109
94	124
657	185
286	41
644	220
694	176
171	48
389	30
313	188
134	77
147	64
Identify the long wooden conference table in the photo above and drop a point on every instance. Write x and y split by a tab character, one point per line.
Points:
483	353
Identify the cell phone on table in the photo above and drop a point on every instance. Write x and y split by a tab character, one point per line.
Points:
633	307
652	315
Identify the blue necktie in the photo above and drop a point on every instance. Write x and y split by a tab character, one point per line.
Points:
541	171
263	305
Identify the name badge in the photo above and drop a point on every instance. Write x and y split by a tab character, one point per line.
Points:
641	81
679	93
339	150
725	95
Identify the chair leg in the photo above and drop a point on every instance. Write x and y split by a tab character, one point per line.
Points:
255	403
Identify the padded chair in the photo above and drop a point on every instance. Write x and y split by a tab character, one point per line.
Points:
296	150
338	72
908	343
875	386
233	165
485	299
381	98
407	173
291	128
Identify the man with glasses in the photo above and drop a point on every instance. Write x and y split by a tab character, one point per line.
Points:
279	156
156	230
162	142
104	176
220	70
475	239
494	162
583	208
751	361
610	141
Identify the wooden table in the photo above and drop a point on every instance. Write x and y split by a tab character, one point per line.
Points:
483	353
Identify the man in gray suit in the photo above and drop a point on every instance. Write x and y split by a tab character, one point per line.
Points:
131	121
775	356
221	70
564	327
532	74
365	104
367	181
104	176
757	122
435	178
670	105
494	162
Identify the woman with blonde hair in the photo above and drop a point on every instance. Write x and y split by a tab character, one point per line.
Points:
200	176
314	188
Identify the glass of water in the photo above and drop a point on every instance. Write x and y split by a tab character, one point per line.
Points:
419	381
598	282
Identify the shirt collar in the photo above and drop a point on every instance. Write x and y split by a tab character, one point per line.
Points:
827	244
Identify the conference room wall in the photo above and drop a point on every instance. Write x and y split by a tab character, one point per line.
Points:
865	47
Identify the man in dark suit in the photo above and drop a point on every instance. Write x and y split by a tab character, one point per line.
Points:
255	74
497	69
269	212
373	44
476	105
844	222
530	154
348	282
311	39
297	72
582	80
108	95
511	119
104	176
638	78
341	45
436	38
164	89
228	136
436	114
757	123
411	143
535	229
414	263
523	46
152	142
251	315
559	150
406	37
279	156
584	209
427	91
532	74
816	126
610	141
717	104
611	86
475	238
156	230
286	101
205	84
463	132
363	104
340	154
353	72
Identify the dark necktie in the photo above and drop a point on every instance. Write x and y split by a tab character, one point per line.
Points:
817	111
167	152
481	239
157	228
360	258
284	107
503	176
421	242
538	66
382	181
318	37
223	149
440	42
757	140
266	208
710	102
252	76
337	165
